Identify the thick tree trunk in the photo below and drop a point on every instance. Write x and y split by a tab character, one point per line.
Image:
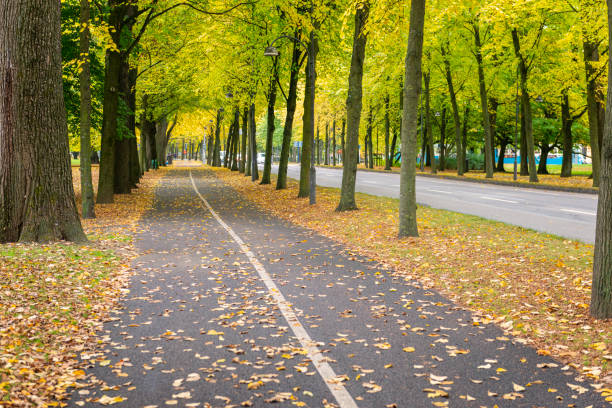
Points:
308	118
601	294
413	76
134	159
87	194
591	55
456	118
566	134
533	176
267	170
36	194
545	148
281	181
354	103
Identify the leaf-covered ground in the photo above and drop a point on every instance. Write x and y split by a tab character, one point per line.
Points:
534	286
54	297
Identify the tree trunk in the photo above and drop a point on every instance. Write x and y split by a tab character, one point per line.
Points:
430	136
443	140
591	55
456	118
134	161
493	121
318	147
533	176
601	294
265	178
217	148
121	174
308	117
36	194
523	148
253	144
393	144
545	148
387	134
370	144
566	133
354	103
464	132
281	181
87	194
243	145
502	156
326	159
236	137
413	76
334	143
489	157
342	143
109	127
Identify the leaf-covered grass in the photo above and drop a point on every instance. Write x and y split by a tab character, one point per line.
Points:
54	297
534	285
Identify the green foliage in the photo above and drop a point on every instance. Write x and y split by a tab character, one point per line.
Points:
70	55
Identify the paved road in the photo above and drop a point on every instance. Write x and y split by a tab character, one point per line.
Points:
569	215
232	307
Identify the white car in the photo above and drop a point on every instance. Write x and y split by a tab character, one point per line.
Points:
261	158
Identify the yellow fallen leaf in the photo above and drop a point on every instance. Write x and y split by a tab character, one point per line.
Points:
518	388
408	349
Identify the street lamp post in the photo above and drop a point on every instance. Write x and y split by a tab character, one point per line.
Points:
272	51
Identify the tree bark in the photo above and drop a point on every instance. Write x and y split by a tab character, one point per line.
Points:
430	136
525	102
265	178
334	143
87	194
342	142
456	118
253	144
601	294
281	181
443	140
566	133
484	104
413	76
591	55
36	193
502	156
243	145
217	148
308	118
387	134
354	103
236	137
326	159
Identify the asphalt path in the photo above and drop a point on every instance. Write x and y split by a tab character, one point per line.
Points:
230	306
569	215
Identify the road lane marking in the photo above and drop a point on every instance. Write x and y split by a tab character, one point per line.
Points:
344	399
440	191
499	199
578	212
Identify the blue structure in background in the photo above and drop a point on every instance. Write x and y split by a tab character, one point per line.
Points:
552	159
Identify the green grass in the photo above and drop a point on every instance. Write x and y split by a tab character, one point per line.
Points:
583	170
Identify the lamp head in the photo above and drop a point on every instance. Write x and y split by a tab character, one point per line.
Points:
271	52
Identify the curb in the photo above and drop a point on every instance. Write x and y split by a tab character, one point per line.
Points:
583	190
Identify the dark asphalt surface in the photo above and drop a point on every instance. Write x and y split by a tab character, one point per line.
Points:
569	215
200	329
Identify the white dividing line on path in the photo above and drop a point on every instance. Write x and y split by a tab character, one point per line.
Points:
568	210
339	392
439	191
499	199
